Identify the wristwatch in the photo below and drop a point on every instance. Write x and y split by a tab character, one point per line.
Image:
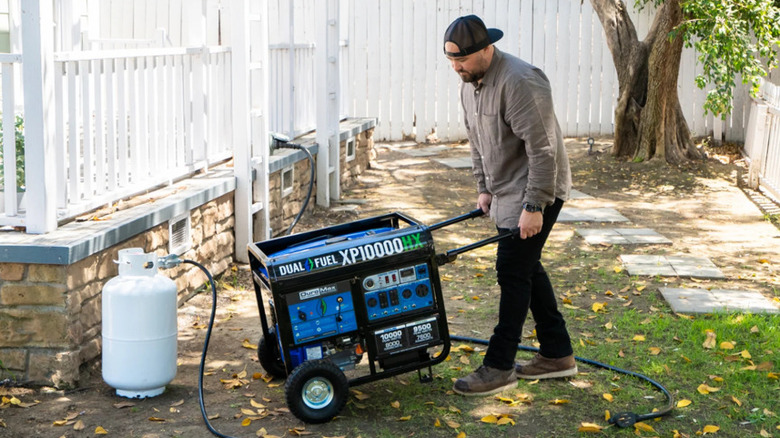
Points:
531	208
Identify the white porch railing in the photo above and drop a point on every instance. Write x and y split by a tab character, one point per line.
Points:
10	205
127	121
762	142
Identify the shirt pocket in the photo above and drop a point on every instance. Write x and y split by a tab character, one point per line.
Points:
490	131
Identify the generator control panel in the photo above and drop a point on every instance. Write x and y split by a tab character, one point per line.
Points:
397	291
321	312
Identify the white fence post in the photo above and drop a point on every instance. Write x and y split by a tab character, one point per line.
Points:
39	154
239	41
327	73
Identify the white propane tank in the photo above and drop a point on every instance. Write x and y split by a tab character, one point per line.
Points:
139	327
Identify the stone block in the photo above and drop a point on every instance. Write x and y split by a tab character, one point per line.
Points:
32	294
13	358
91	312
47	273
225	207
33	327
60	368
209	221
107	269
90	350
227	224
11	271
208	249
157	238
82	272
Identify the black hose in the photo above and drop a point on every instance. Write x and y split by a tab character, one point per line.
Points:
622	419
287	145
206	348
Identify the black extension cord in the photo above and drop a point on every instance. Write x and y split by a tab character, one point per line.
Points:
621	419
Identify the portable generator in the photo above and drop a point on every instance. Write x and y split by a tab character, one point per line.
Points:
362	298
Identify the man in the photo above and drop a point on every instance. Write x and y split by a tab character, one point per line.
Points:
523	178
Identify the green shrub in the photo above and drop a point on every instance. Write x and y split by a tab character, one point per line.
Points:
19	155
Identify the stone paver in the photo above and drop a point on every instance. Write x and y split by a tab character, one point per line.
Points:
456	162
669	266
708	301
569	214
429	151
576	194
622	236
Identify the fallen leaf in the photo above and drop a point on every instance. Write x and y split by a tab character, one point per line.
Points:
559	401
582	384
461	435
490	419
639	425
157	419
725	345
655	351
608	397
178	403
248	345
246	422
396	404
437	423
590	427
505	420
710	428
639	338
452	424
80	426
709	343
736	400
683	403
256	404
598	307
706	389
100	431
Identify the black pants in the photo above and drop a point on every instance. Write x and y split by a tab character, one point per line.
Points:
525	284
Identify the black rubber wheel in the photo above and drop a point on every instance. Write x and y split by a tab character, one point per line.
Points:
316	391
269	356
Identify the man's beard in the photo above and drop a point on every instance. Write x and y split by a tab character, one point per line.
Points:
471	77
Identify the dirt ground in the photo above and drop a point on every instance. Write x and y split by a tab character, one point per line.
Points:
699	208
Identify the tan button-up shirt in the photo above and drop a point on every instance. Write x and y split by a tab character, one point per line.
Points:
517	147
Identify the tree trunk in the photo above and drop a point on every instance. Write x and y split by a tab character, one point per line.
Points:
648	118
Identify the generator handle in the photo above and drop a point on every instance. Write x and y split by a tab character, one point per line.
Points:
451	255
470	215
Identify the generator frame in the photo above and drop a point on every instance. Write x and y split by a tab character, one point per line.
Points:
332	287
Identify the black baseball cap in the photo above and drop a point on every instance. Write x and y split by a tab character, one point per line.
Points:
470	35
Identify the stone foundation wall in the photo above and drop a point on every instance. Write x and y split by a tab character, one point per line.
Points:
284	209
364	154
50	315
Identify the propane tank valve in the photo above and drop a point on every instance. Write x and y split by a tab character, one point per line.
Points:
169	261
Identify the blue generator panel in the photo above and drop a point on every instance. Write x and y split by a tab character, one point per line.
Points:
321	312
397	292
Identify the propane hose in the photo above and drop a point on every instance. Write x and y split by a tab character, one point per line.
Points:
621	419
171	261
284	144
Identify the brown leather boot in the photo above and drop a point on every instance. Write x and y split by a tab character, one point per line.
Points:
485	380
541	367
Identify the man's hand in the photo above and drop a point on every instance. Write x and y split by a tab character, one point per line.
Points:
530	224
483	202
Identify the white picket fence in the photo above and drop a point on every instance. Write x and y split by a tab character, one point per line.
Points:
762	145
143	86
